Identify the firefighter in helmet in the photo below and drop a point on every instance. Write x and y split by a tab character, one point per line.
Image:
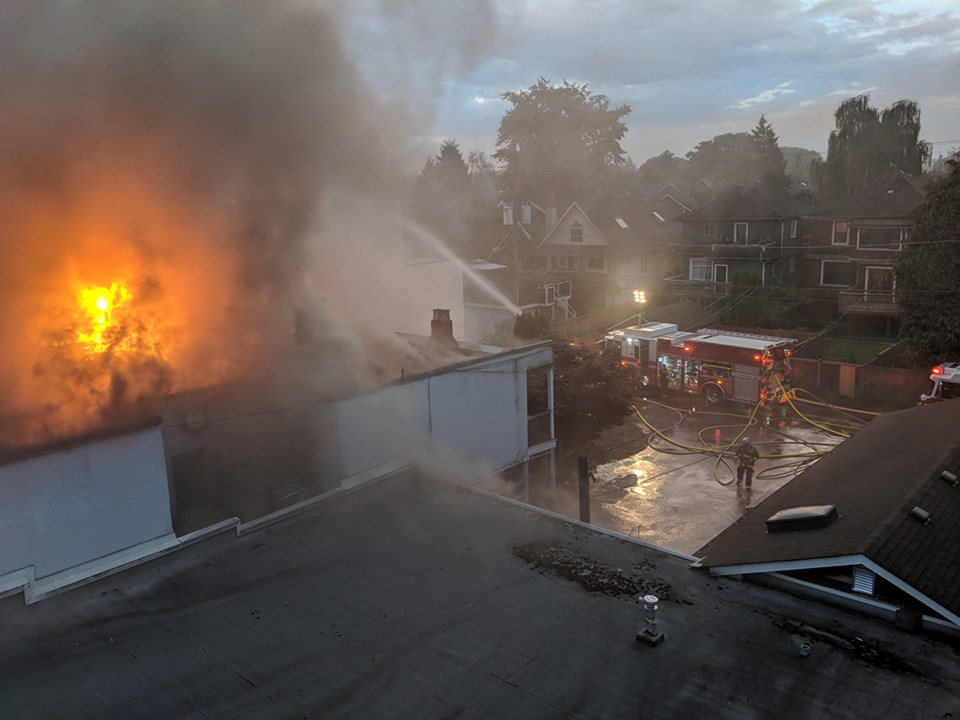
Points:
746	456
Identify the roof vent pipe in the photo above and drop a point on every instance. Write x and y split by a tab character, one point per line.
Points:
920	514
949	477
650	633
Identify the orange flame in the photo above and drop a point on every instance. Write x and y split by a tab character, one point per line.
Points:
109	321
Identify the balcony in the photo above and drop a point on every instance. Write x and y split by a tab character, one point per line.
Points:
868	303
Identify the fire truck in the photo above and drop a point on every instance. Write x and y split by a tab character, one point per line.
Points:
714	364
944	383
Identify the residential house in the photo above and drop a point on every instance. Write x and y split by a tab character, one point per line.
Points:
849	257
754	228
608	248
874	525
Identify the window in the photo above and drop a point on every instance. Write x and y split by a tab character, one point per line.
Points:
595	263
699	269
791	265
643	262
708	230
740	233
875	238
576	232
572	262
840	232
622	223
793	229
880	280
836	274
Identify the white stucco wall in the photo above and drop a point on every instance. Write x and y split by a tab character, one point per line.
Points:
476	412
72	507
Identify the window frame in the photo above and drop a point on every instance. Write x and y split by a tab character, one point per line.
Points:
886	269
576	232
709	229
793	229
823	264
594	259
885	248
746	233
846	233
706	269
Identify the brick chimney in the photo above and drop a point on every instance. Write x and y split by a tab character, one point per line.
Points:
441	328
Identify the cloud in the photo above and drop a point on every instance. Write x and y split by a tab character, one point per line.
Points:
765	96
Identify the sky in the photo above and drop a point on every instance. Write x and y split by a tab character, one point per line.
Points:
689	69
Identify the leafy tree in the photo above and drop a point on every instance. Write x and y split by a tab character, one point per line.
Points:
927	270
798	163
530	325
557	140
866	142
741	158
662	169
483	177
590	392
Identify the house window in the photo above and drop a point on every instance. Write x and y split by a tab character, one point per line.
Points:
595	263
791	265
740	233
874	238
708	230
793	229
699	269
576	233
571	262
880	280
840	232
836	274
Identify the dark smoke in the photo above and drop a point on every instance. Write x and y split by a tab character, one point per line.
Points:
192	148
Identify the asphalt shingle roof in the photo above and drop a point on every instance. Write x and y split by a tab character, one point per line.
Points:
893	196
874	479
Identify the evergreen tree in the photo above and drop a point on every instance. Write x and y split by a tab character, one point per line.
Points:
770	168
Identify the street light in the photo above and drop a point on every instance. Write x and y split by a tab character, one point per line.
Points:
640	298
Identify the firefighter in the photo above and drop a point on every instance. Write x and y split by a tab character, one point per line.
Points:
746	456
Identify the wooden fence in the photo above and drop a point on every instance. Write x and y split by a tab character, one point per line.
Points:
864	386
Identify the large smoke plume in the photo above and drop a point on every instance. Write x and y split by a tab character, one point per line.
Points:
204	153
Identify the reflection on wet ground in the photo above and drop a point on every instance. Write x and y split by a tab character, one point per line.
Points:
681	491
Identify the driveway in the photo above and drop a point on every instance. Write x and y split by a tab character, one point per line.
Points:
662	474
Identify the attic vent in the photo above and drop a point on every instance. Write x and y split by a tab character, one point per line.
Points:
949	477
621	223
804	517
659	217
864	581
920	514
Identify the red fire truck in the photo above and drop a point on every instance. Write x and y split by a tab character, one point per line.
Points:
715	364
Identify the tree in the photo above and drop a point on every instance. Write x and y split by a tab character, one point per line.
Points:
866	142
557	140
443	200
770	162
927	270
483	177
662	169
741	158
590	391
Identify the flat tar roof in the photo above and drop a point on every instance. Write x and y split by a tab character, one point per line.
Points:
417	598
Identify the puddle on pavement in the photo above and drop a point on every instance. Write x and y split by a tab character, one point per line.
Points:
683	500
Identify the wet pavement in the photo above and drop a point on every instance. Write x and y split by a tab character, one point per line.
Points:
666	475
